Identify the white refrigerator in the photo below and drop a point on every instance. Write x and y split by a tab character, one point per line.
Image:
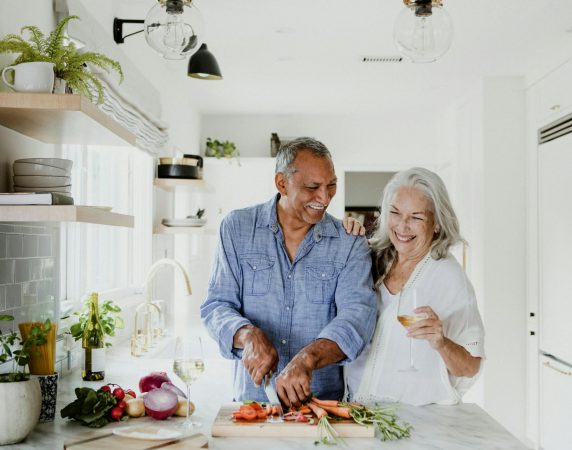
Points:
555	284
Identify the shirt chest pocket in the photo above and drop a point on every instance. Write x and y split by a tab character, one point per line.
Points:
257	272
321	282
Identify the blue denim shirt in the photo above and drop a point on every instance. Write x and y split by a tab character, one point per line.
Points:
326	292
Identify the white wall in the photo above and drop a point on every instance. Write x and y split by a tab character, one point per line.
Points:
357	142
491	193
12	144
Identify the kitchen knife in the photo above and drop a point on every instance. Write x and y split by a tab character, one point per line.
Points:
273	399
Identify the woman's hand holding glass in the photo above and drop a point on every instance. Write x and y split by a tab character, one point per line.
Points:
430	328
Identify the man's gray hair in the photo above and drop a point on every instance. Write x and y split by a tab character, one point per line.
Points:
288	152
432	186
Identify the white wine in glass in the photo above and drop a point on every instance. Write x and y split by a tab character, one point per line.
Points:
188	366
407	317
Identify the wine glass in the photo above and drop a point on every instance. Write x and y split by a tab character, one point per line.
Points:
407	317
188	366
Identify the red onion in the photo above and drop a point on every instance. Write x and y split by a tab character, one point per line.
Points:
174	389
160	403
152	381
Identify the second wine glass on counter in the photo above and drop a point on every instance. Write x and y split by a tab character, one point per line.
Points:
188	366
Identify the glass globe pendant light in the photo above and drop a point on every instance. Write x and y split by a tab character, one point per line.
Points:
423	30
174	28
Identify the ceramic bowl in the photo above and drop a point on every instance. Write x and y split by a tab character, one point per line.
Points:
65	164
24	168
40	181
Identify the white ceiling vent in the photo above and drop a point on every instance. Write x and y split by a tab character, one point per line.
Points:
382	59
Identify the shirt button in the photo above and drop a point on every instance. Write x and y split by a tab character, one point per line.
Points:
289	276
284	341
254	267
323	275
287	308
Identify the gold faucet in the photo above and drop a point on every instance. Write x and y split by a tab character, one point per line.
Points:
145	333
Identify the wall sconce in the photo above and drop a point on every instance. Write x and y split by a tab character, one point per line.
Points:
204	65
423	31
174	28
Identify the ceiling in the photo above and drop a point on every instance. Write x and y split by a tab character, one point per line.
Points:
301	56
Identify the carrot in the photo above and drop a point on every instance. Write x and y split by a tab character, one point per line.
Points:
304	409
244	408
340	411
237	415
261	414
320	412
319	402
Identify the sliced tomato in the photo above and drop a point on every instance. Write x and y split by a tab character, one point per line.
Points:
256	406
301	418
261	414
249	414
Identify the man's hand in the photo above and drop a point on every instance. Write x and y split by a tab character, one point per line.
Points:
259	355
293	384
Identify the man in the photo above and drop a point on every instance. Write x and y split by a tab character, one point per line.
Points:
290	291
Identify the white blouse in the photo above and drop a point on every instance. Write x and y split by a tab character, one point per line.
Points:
377	374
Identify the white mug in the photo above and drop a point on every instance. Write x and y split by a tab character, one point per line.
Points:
31	77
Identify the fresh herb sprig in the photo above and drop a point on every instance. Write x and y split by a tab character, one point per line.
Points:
383	417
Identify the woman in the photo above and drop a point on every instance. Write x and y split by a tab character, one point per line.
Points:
410	246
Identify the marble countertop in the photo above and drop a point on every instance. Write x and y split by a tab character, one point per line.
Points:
464	426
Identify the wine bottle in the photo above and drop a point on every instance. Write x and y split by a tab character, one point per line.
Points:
93	344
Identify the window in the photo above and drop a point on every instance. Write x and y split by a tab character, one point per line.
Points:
110	260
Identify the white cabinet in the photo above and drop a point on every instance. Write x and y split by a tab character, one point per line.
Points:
555	249
556	405
233	186
553	95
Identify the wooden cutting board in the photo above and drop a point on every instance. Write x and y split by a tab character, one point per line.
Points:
224	425
96	440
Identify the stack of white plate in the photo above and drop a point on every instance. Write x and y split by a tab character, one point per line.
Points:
42	175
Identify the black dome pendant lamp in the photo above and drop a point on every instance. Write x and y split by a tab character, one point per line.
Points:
203	65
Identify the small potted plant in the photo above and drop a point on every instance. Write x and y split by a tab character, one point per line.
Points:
70	65
221	149
108	315
17	389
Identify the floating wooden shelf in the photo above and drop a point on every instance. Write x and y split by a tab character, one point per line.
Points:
169	184
61	119
162	229
63	213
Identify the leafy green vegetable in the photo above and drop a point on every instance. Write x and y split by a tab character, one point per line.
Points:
91	408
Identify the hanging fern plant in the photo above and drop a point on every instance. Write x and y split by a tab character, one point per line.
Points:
69	64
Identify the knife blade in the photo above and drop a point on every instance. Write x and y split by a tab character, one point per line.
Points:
273	399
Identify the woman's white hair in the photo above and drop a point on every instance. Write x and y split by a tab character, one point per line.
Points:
447	224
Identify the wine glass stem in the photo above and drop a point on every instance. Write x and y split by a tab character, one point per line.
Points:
189	420
411	353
